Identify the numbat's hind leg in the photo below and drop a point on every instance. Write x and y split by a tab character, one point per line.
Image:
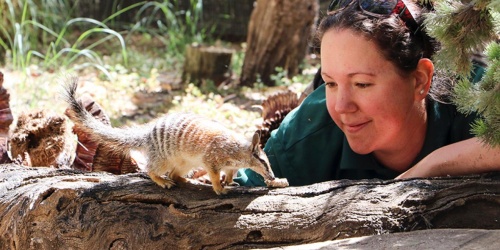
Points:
177	178
228	179
161	181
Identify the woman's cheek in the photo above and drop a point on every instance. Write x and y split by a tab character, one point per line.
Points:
330	106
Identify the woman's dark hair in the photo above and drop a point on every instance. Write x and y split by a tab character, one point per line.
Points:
400	44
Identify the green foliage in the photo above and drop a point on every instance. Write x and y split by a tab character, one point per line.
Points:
16	12
237	60
174	26
484	98
22	38
43	32
281	77
462	29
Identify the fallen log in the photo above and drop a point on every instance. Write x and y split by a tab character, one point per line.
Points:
44	208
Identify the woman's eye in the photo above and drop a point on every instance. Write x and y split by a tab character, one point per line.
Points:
363	85
331	84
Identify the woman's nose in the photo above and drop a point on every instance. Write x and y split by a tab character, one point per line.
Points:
344	101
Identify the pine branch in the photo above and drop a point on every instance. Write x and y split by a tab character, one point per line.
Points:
462	29
483	98
465	27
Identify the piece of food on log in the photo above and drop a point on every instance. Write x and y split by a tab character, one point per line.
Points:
92	156
277	183
5	121
274	110
42	139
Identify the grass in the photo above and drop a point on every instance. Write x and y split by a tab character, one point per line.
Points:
23	33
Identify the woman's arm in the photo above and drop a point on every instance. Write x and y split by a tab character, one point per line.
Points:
470	156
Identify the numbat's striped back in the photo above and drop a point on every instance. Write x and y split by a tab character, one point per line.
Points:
191	134
177	143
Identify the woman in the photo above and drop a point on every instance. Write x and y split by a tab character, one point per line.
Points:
376	116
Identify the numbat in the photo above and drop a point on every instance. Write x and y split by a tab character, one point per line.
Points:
177	143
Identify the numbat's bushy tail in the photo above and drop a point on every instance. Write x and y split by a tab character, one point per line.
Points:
177	143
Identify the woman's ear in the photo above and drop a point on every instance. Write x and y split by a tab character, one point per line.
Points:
423	78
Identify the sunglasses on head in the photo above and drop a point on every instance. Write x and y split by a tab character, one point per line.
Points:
378	8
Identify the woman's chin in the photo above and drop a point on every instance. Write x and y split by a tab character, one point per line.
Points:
361	149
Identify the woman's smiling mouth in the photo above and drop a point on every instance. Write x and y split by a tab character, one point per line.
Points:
354	127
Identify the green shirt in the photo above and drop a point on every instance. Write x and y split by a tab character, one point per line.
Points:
308	147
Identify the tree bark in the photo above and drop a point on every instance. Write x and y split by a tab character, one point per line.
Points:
278	36
42	208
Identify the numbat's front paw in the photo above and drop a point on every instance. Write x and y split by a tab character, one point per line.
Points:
233	184
221	191
277	182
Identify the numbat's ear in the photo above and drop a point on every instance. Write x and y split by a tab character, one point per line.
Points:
256	141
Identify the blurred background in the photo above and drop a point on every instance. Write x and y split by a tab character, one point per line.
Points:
130	56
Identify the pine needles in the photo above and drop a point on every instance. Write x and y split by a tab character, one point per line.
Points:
465	28
462	30
484	98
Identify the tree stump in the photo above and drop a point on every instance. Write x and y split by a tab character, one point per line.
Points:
43	208
278	36
204	63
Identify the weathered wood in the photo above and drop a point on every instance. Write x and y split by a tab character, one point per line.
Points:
278	36
44	208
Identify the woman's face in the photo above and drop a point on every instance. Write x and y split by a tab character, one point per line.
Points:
374	106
